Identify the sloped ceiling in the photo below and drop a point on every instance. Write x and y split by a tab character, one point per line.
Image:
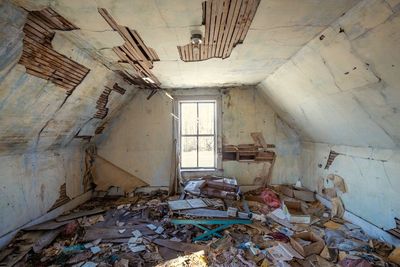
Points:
280	28
343	87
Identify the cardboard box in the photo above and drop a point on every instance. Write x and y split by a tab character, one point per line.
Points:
296	213
304	194
315	247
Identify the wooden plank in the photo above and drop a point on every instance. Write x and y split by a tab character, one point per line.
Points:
40	75
243	20
45	240
217	26
134	47
51	66
79	214
225	10
179	246
229	25
204	213
45	54
104	13
207	12
250	19
140	42
111	232
78	67
236	25
212	25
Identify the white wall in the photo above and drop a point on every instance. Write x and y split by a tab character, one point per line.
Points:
140	140
371	176
342	90
345	88
30	183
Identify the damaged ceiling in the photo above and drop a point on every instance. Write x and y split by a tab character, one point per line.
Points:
279	29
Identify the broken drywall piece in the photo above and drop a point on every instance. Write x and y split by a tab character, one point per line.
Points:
337	208
338	182
106	175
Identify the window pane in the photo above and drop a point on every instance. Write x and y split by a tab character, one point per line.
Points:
189	118
206	151
189	152
206	118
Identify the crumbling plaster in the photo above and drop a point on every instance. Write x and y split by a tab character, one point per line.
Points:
139	141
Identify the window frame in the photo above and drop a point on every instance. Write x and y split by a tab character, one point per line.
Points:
216	99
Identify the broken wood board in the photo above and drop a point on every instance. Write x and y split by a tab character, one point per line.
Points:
93	233
179	246
204	213
78	214
49	225
45	240
106	175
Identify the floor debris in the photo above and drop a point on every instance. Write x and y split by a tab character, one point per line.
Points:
270	226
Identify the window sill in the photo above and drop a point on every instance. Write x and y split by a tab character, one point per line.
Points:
198	170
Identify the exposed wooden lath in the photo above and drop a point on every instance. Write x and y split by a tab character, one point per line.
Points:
135	52
331	158
53	20
41	60
101	106
62	199
226	25
395	231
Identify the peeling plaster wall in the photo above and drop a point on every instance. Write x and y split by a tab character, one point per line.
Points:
371	176
342	90
140	140
30	184
39	122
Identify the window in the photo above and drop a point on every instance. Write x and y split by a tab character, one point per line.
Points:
198	134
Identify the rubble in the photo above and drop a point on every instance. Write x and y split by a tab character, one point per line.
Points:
270	226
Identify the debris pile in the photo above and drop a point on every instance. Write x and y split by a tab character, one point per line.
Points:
210	224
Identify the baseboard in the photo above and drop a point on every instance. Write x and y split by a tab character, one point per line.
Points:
5	239
372	230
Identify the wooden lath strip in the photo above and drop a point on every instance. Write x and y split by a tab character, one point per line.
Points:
53	20
226	25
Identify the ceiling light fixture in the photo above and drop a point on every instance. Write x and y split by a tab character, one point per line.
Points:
196	38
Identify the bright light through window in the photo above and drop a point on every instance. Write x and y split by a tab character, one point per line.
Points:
197	134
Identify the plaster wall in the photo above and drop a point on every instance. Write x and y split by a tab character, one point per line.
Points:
30	183
140	140
341	92
343	87
371	176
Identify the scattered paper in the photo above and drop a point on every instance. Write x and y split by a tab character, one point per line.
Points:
151	226
159	230
136	233
95	249
135	248
121	231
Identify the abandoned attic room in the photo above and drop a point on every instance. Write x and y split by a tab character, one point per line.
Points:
220	133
